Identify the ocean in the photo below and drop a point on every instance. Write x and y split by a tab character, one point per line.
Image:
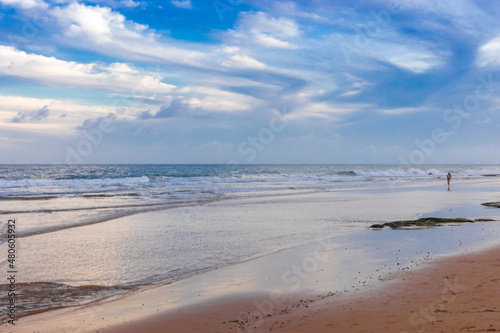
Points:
80	235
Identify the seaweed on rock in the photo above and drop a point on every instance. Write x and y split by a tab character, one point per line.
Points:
422	222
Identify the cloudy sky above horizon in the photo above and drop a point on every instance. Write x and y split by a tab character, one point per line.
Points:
230	81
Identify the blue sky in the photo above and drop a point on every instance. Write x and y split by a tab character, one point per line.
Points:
232	81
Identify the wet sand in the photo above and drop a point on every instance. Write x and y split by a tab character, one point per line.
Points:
406	280
372	281
458	294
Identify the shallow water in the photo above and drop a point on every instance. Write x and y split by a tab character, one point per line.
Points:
475	211
332	266
54	197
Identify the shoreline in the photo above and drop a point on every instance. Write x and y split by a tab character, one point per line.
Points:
233	285
458	293
447	295
254	293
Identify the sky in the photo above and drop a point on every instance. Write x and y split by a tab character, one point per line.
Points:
241	81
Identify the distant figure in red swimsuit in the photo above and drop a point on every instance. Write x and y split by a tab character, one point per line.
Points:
448	178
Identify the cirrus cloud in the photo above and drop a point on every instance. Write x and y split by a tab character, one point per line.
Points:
264	30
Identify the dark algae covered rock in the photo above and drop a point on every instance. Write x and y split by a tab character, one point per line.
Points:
422	222
491	204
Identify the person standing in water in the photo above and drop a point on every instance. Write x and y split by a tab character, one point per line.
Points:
448	178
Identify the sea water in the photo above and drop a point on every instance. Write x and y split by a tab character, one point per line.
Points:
81	237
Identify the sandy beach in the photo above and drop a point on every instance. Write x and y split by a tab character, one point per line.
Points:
440	279
458	294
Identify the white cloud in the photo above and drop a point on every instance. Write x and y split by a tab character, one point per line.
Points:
116	77
417	62
217	100
99	24
182	4
64	114
324	111
108	32
269	41
243	62
455	17
264	30
404	53
102	30
263	22
390	45
489	53
25	4
230	49
459	12
357	84
290	9
117	3
405	110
